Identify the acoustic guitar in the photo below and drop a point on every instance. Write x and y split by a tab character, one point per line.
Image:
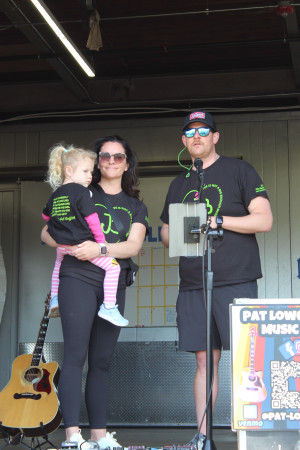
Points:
252	389
29	401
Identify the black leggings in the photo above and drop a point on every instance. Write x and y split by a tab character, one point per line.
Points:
85	333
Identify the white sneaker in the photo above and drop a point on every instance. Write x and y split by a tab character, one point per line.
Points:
54	309
109	442
113	315
76	438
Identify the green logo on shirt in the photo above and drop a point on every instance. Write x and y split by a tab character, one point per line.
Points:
108	223
261	188
213	201
61	208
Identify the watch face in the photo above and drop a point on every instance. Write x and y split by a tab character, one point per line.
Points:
219	220
103	250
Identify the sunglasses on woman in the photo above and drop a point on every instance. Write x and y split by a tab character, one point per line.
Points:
118	157
203	132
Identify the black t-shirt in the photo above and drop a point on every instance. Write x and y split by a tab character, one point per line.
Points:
67	208
229	186
129	210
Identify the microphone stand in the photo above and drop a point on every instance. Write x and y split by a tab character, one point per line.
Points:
209	443
212	234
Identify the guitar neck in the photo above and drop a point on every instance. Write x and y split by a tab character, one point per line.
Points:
38	349
252	350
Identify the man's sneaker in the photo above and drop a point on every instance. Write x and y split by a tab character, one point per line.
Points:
198	441
109	442
113	315
54	310
76	441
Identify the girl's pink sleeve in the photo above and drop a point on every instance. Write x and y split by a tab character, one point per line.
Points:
95	227
47	218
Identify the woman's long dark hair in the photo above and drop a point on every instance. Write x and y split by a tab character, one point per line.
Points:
130	179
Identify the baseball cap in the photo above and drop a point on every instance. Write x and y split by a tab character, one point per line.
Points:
200	116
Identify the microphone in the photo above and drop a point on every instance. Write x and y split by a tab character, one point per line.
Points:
198	163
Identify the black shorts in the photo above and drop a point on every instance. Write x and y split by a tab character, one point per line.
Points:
191	315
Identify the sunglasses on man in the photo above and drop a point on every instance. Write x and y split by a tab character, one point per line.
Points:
203	132
118	157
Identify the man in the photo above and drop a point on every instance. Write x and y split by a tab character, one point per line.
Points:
236	198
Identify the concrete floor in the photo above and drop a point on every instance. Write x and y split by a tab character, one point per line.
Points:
224	439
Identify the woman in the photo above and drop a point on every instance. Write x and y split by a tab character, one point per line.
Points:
80	296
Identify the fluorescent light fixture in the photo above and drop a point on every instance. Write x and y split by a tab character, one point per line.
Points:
62	35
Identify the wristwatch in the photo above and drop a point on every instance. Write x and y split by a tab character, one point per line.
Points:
103	249
219	221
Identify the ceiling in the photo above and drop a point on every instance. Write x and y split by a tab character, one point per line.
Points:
158	58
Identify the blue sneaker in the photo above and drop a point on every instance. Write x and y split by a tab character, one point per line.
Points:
113	316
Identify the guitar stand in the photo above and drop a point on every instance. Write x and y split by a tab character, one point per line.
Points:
44	436
17	439
5	435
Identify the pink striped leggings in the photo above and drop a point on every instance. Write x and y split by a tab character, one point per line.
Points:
111	279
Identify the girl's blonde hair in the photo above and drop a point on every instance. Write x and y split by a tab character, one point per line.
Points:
60	158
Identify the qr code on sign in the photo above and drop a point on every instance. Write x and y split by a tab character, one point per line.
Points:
283	374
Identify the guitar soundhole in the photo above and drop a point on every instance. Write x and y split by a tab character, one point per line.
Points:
33	375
